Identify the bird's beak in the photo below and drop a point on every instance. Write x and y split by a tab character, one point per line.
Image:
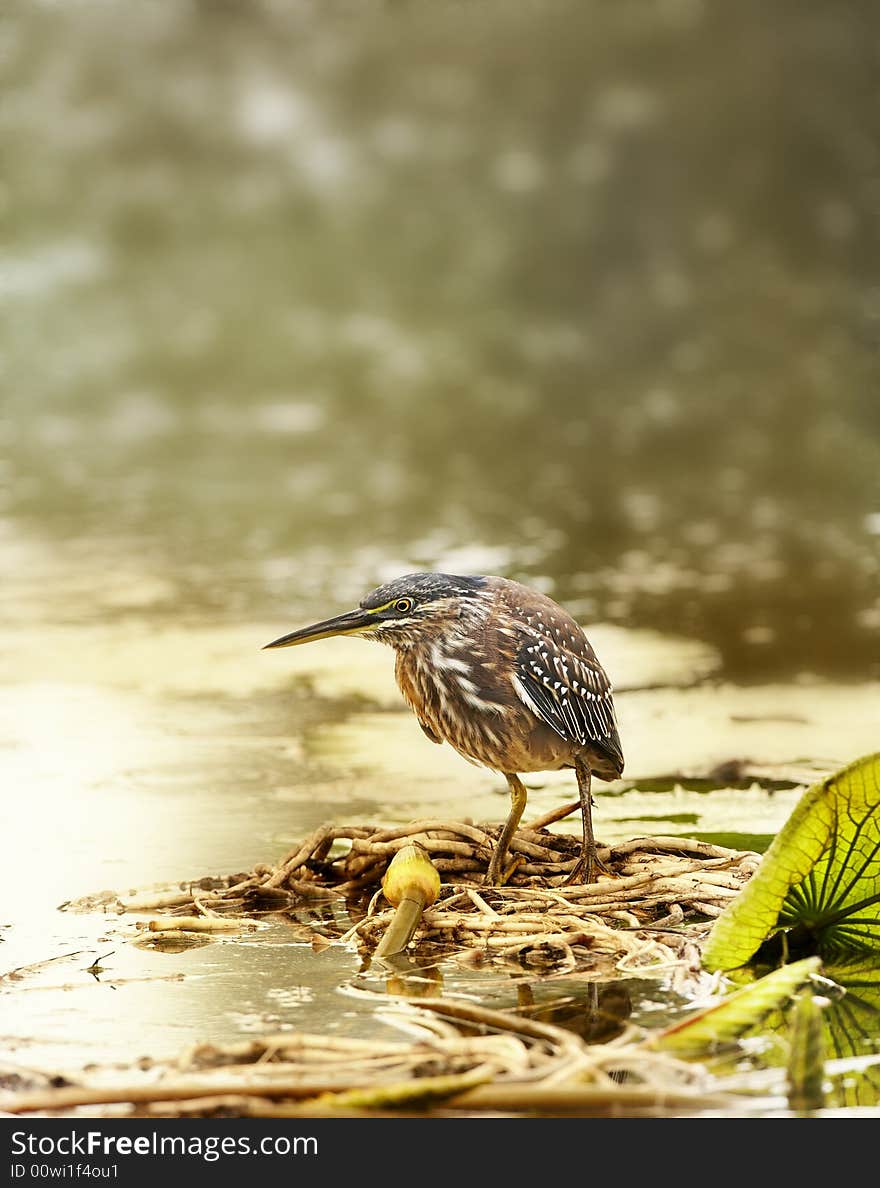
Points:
351	623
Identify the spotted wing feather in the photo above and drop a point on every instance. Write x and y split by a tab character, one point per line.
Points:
570	691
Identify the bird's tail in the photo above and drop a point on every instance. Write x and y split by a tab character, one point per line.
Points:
607	759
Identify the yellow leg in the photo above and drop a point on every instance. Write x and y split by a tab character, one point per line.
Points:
496	875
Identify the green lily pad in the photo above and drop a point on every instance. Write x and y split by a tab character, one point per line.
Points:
819	882
738	1012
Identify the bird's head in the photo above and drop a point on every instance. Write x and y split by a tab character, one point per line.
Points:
411	610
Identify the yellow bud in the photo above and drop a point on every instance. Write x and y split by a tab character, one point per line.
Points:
411	875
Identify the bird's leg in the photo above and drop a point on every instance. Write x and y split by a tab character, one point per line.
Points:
588	861
496	875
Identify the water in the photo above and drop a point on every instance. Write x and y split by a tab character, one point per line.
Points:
295	301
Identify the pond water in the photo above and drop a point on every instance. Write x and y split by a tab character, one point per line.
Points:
296	301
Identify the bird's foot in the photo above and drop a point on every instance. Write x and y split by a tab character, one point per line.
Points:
582	872
497	875
585	868
597	861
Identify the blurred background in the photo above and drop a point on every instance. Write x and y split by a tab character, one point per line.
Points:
300	296
297	297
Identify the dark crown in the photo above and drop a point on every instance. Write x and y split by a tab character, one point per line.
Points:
424	587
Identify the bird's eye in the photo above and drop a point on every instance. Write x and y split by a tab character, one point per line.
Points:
404	605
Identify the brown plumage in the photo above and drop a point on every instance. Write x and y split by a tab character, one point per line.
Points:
503	674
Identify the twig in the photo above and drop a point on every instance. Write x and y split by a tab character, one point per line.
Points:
201	924
554	815
583	1099
51	1100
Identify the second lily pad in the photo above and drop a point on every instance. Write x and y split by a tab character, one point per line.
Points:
819	881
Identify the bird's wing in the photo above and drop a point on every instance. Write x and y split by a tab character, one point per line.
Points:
568	691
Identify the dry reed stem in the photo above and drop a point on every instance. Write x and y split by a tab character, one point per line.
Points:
212	923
